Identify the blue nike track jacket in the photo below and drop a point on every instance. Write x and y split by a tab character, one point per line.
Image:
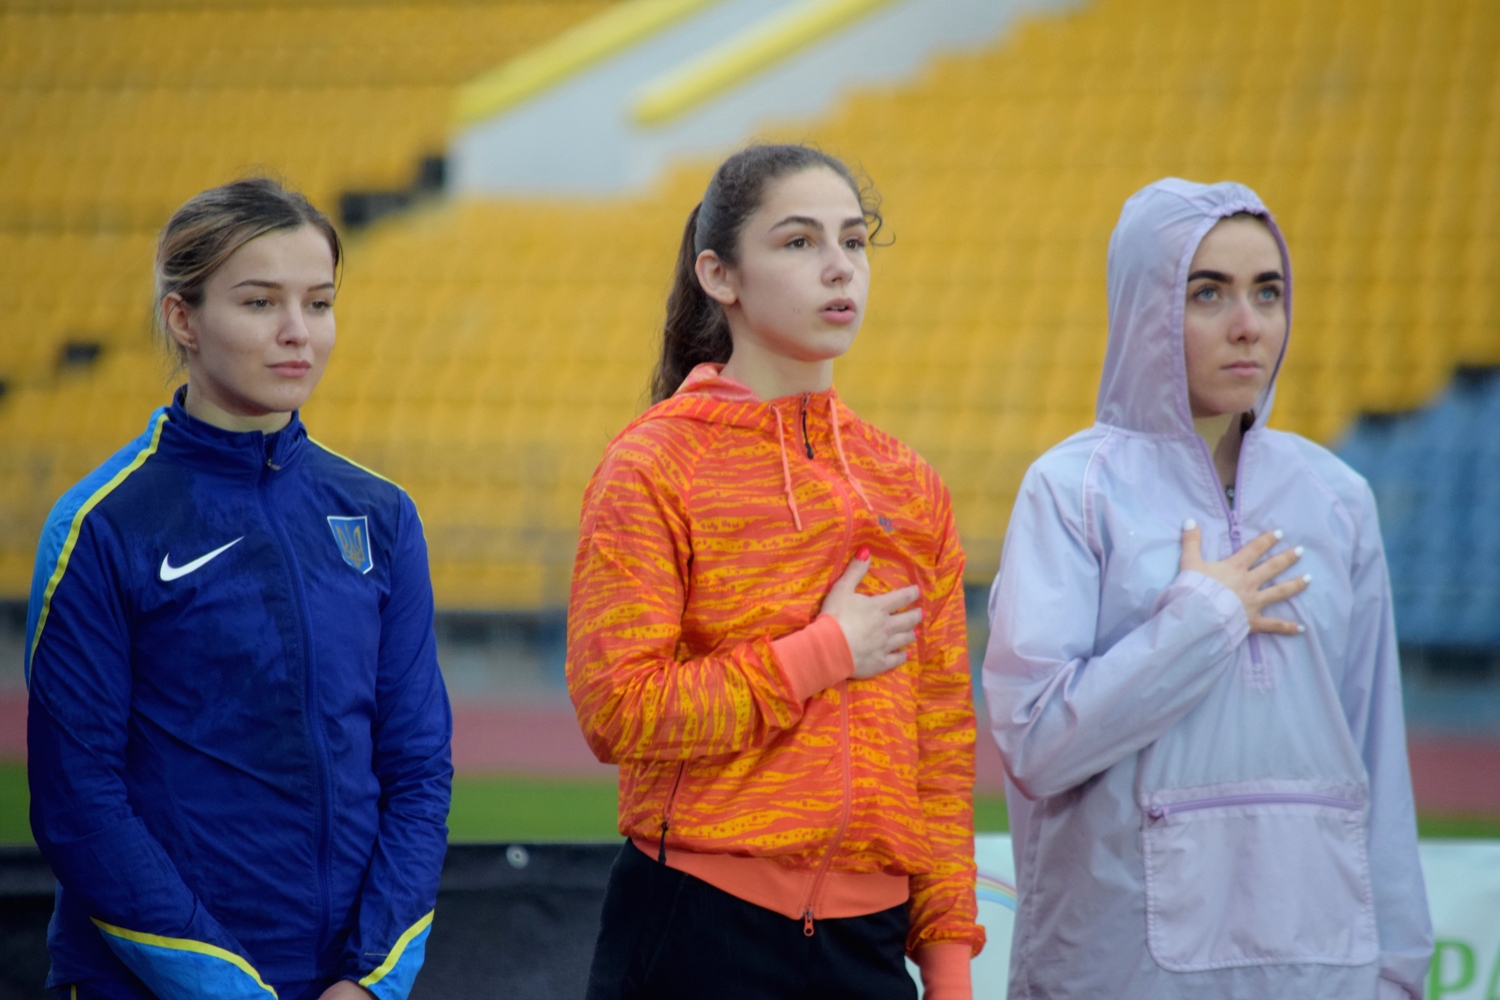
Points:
238	735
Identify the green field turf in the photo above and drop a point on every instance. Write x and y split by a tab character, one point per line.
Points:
511	808
15	825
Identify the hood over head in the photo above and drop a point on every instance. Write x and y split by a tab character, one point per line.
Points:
1150	252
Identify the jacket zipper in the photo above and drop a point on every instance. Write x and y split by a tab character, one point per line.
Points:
846	766
806	440
845	754
666	814
1162	811
1234	521
314	730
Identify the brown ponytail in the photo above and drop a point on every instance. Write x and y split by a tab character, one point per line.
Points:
696	329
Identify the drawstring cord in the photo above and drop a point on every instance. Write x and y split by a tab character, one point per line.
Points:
838	446
786	471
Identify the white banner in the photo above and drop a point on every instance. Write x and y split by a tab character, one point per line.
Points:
1463	889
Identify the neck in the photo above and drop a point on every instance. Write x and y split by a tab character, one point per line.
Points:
771	376
1221	432
201	406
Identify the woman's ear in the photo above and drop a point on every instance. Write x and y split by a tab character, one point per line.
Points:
177	320
715	278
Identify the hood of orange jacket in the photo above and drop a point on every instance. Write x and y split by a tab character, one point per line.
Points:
697	660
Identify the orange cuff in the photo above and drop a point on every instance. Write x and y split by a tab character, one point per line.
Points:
815	658
945	970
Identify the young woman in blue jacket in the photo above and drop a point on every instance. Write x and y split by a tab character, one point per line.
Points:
238	735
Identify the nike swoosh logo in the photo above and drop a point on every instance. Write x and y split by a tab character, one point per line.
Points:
170	572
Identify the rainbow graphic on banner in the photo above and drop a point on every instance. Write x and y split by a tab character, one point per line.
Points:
994	889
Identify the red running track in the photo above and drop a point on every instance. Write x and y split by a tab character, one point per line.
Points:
1451	776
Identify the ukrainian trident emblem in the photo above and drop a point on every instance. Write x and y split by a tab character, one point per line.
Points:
353	536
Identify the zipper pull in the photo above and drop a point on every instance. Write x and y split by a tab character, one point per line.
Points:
806	441
807	926
661	854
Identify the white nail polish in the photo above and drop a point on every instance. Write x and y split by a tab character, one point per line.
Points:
1301	629
1298	551
1278	533
1189	524
1307	578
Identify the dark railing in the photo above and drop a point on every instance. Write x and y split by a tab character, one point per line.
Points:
513	920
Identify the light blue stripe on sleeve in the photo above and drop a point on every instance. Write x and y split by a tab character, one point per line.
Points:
183	969
60	533
394	977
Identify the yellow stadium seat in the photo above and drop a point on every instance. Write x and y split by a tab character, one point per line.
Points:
489	349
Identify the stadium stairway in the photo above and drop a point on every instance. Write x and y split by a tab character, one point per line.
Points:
490	347
493	345
113	113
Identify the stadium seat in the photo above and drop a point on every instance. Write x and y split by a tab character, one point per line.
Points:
489	349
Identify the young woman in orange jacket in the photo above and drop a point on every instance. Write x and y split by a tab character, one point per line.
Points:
766	633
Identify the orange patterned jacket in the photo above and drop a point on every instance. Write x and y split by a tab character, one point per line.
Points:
697	660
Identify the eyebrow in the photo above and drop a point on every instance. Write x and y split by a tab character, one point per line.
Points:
262	283
1220	276
806	220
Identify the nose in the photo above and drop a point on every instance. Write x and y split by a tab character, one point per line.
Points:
294	332
1246	325
839	269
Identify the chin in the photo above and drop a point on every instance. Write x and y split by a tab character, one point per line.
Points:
828	346
1236	403
281	402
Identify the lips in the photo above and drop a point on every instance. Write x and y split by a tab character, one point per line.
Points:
1243	368
291	369
840	310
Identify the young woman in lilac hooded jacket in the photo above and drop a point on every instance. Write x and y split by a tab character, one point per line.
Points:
1206	799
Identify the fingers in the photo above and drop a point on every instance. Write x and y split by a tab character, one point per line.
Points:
1276	626
1271	595
1268	596
1192	545
853	573
1252	551
900	640
895	600
889	660
904	621
1275	566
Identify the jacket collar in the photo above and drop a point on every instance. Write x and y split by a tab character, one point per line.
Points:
707	396
191	441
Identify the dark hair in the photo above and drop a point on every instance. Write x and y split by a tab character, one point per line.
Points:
696	329
211	226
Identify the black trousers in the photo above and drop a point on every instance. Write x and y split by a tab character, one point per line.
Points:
665	935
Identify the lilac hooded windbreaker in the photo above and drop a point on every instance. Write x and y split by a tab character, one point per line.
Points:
1197	812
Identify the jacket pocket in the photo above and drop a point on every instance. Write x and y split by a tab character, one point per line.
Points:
1264	872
